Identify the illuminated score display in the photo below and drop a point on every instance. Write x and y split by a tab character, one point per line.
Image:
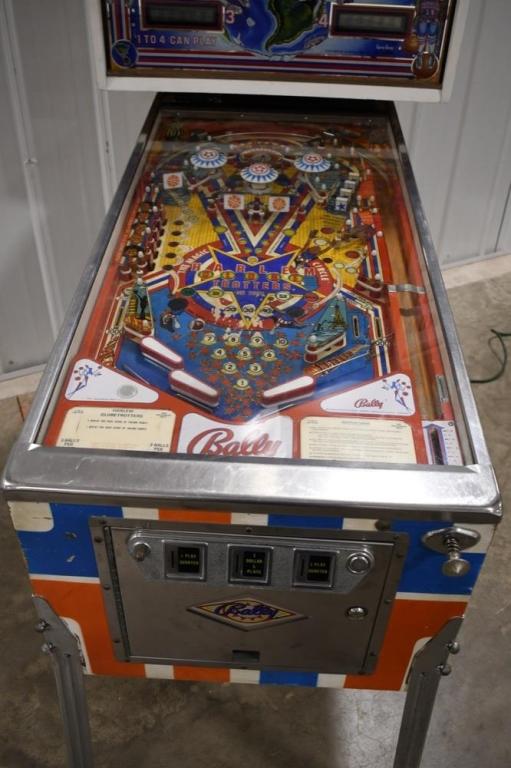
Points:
375	42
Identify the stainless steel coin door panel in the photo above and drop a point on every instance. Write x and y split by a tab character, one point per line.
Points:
259	598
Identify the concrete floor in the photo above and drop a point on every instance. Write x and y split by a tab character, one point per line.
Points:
161	724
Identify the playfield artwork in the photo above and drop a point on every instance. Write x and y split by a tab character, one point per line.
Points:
265	297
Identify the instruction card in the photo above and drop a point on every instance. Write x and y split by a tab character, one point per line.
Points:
367	440
122	429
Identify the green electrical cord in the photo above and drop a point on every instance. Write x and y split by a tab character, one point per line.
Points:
499	336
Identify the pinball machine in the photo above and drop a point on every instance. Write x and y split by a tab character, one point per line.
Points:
254	456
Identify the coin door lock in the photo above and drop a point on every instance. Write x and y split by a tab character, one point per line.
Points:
450	542
140	550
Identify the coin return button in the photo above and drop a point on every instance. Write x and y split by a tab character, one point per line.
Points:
359	562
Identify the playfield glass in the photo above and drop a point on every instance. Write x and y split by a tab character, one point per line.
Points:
264	296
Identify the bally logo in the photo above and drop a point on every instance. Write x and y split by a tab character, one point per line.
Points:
271	438
246	613
221	442
363	402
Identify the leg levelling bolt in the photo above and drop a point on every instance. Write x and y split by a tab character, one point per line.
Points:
455	565
47	648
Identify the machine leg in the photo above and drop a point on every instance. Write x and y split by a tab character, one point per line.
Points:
428	666
60	644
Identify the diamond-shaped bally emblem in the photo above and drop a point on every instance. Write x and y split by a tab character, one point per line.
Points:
246	613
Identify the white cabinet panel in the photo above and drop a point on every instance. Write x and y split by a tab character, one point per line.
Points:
407	112
127	114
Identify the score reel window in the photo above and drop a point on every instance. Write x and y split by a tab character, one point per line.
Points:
207	16
365	21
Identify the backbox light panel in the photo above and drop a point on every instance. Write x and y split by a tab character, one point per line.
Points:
374	43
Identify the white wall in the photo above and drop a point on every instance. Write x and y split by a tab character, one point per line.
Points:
64	145
461	151
51	194
26	331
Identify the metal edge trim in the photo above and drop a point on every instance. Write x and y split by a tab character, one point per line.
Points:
445	493
445	315
400	543
100	529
